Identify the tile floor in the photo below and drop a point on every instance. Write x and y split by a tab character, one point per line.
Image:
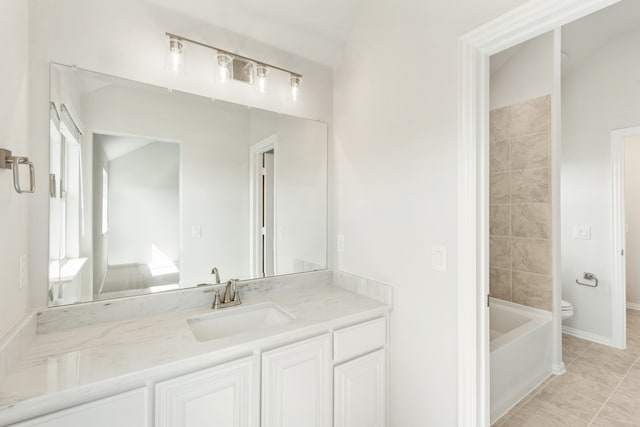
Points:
601	387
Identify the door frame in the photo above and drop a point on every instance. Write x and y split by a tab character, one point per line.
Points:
618	241
255	250
532	19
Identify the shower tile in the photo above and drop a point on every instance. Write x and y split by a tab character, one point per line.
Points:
531	255
530	151
533	221
499	252
533	290
499	124
530	116
499	188
531	186
500	155
500	220
500	283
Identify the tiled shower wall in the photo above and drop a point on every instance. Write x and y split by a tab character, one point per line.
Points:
520	203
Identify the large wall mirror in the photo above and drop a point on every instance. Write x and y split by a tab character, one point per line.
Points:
150	190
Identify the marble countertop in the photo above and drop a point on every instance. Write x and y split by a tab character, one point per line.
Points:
83	361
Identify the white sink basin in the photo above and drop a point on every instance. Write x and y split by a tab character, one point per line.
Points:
235	320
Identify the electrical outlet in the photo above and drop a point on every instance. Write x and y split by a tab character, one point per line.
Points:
24	271
340	242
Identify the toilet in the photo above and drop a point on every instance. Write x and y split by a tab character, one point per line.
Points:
567	310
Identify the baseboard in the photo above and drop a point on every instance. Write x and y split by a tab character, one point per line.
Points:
559	369
588	336
633	306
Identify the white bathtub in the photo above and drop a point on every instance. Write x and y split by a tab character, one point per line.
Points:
521	340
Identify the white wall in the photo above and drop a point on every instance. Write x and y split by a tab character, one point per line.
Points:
144	204
632	212
14	135
395	163
126	38
522	72
599	95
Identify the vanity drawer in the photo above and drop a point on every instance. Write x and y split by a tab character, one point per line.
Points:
359	339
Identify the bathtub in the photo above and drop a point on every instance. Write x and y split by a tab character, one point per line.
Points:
521	339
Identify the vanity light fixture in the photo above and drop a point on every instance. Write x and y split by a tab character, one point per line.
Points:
262	74
175	53
226	62
294	81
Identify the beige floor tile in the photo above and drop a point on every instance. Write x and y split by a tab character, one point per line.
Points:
614	360
610	417
572	347
537	413
625	404
633	344
576	395
595	372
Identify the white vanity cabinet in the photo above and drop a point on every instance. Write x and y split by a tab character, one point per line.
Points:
360	393
360	375
335	379
296	384
130	409
225	396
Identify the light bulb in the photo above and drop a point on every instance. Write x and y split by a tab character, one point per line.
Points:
224	67
294	81
175	53
262	74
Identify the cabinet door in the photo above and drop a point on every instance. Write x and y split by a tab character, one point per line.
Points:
129	409
360	393
221	396
296	384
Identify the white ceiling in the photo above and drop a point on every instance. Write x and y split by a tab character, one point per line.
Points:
313	29
582	38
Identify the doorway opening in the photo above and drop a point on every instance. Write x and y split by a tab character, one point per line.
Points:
263	201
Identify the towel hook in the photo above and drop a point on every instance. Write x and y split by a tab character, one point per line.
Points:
7	161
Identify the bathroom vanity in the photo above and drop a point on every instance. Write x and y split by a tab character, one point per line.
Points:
152	191
321	362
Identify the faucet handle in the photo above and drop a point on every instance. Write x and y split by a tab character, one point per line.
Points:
216	300
234	289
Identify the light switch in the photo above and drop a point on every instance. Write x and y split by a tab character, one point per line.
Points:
196	231
340	242
439	258
582	233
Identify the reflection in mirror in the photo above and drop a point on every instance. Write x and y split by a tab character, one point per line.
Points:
150	190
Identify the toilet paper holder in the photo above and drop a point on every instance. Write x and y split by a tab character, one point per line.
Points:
589	276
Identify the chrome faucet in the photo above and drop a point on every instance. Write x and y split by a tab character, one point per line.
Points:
215	271
230	298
